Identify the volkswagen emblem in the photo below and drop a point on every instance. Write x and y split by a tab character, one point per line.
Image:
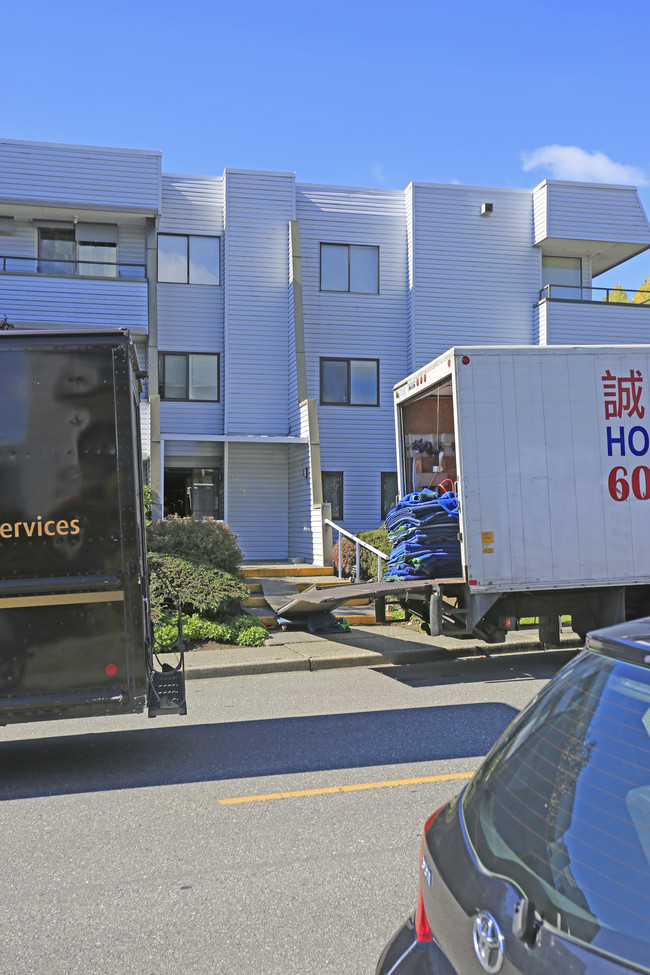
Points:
488	942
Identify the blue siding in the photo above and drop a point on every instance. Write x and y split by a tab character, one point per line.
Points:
259	207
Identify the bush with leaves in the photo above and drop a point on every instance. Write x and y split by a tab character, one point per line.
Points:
243	630
368	560
208	541
200	588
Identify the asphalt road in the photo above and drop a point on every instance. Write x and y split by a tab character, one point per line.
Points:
273	831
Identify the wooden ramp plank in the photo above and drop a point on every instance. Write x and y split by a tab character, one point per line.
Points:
326	599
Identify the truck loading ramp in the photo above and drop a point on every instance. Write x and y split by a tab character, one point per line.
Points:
327	598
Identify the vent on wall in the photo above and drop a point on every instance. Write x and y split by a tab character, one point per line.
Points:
486	209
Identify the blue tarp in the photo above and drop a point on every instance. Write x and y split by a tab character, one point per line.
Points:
423	531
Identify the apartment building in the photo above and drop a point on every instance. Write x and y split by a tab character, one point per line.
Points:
273	317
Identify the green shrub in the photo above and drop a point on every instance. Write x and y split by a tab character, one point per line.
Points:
368	561
200	588
348	554
148	502
243	630
379	540
207	541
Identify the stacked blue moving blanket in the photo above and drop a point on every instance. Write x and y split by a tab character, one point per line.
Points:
423	532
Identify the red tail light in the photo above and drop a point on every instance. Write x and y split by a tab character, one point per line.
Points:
422	929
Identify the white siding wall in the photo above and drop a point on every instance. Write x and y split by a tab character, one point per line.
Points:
593	323
145	429
585	211
190	419
258	510
192	204
90	175
259	207
356	440
476	277
190	316
300	540
94	303
131	248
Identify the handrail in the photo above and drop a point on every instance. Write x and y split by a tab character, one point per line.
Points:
577	292
381	556
112	269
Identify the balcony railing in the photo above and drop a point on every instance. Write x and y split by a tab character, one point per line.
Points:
10	264
566	292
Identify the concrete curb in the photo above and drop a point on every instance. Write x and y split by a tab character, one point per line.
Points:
292	660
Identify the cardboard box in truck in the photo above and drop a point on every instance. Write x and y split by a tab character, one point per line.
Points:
549	451
75	632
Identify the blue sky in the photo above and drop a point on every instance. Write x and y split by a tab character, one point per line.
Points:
357	93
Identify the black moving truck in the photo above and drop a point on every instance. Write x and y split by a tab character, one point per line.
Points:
75	630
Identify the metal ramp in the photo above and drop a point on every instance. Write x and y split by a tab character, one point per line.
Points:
325	600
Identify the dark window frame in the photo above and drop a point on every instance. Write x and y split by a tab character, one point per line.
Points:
347	291
348	360
51	265
188	237
187	356
340	492
383	475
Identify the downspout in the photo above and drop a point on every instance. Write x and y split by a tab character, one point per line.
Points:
308	407
156	471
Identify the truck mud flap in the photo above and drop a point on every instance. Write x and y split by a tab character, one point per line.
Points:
167	690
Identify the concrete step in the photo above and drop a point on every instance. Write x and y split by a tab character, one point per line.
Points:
281	571
357	611
254	583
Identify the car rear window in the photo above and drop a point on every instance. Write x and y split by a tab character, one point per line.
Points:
561	806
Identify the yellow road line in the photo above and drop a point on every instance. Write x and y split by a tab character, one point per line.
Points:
328	790
66	598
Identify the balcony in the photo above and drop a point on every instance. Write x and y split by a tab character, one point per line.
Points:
11	264
618	295
104	296
572	315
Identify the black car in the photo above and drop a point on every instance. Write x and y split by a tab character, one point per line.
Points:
542	864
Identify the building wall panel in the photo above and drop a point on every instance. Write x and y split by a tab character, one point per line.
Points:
41	301
91	175
259	207
476	277
258	510
192	204
585	211
594	323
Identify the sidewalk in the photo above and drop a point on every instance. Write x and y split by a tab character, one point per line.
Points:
363	646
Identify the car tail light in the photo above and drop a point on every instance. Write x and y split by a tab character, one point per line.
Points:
422	929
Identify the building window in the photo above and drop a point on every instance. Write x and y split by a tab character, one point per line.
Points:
349	267
388	492
561	277
189	376
349	382
333	492
86	249
188	260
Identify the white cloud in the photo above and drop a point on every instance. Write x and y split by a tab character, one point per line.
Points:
379	173
571	162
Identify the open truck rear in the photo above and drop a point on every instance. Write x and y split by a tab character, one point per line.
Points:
549	451
75	632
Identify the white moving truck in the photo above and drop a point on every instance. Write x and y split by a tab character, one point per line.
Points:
549	451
